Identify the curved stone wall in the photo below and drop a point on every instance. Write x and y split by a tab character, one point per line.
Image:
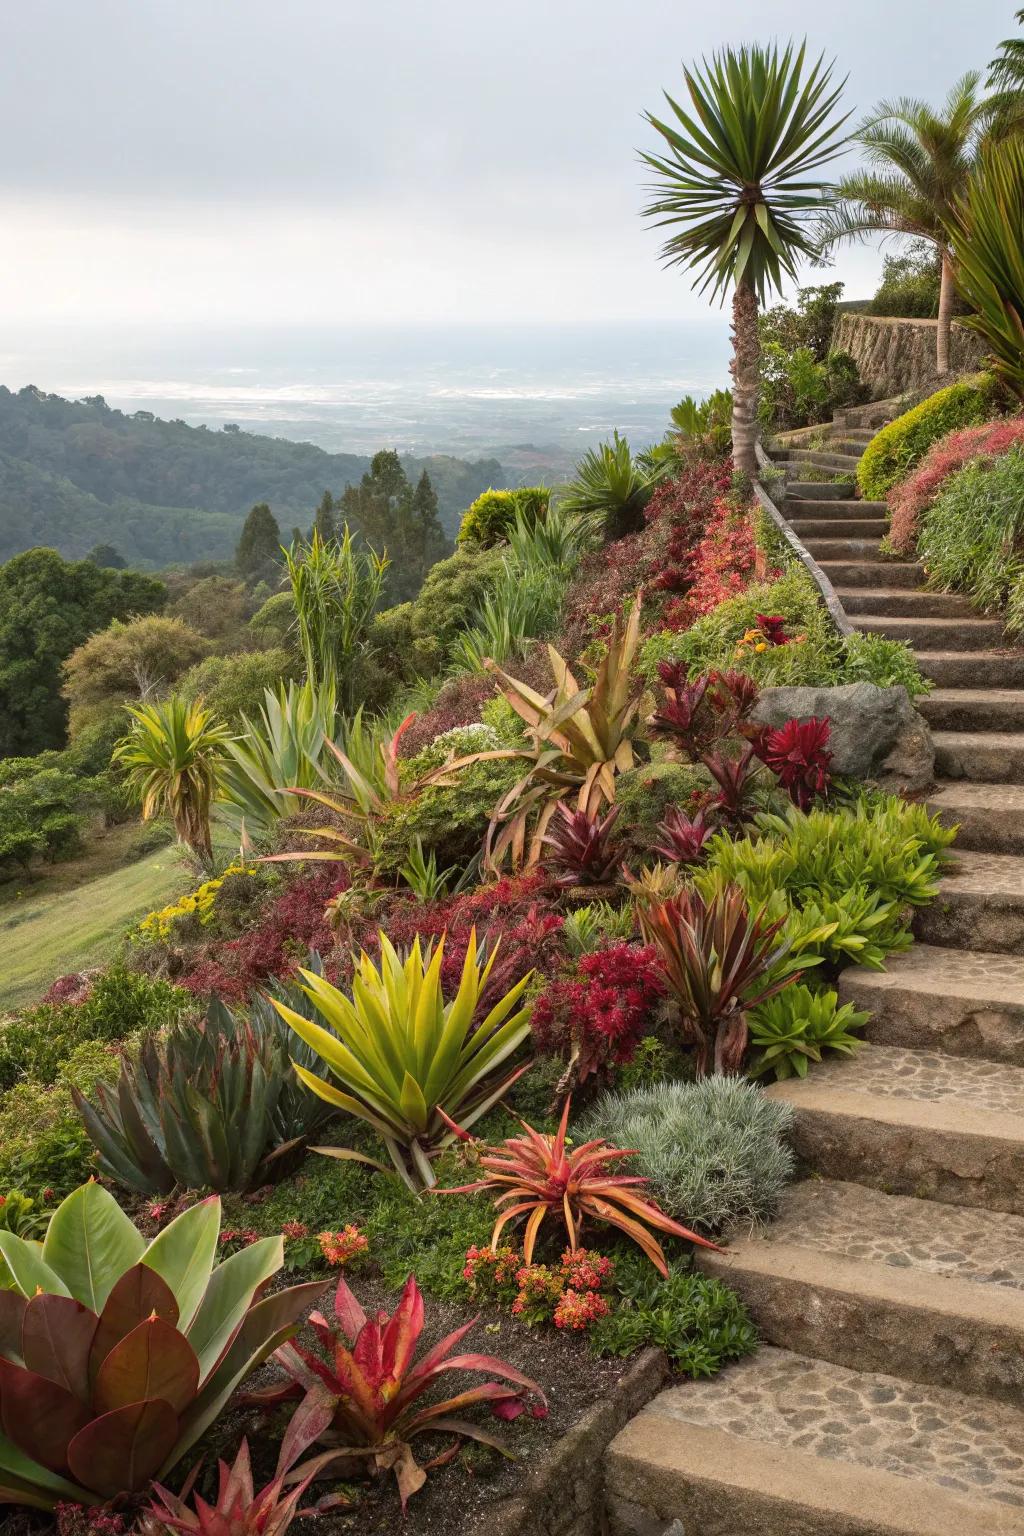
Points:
894	356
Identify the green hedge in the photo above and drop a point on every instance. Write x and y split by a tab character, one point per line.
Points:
893	453
492	516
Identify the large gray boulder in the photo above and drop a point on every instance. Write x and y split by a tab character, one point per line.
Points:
877	734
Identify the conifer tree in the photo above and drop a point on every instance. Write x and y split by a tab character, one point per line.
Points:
259	547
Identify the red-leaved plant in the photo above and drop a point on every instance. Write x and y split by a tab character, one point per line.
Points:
537	1175
798	755
683	838
717	961
581	847
238	1509
734	776
368	1396
595	1018
914	495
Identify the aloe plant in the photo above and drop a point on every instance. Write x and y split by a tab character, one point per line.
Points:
212	1105
116	1355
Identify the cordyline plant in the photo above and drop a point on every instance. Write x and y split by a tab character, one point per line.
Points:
115	1355
401	1052
582	738
581	848
683	839
238	1509
173	755
716	961
365	1395
538	1175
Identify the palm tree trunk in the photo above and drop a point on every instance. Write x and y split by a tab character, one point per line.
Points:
945	315
746	351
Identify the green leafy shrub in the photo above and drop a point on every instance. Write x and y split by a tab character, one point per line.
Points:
452	592
698	1322
44	815
493	515
649	791
712	641
43	1143
234	686
599	923
909	288
714	1151
972	536
793	1028
895	450
448	820
36	1043
873	658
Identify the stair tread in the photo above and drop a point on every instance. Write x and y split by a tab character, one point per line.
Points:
879	1452
948	794
959	1093
866	1226
972	695
978	975
979	739
984	874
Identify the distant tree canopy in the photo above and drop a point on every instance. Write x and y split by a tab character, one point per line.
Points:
391	515
258	552
48	606
107	556
75	475
128	661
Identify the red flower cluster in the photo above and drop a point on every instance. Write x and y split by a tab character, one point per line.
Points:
569	1295
74	988
596	1018
236	1239
908	500
797	753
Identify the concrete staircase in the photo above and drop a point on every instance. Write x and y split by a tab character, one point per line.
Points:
889	1397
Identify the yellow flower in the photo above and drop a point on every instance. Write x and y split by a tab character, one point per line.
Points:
762	647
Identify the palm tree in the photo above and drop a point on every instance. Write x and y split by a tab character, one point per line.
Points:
173	754
1006	72
924	160
736	180
985	234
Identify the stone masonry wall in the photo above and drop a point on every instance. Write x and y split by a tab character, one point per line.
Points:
897	356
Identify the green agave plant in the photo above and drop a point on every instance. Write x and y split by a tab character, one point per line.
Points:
116	1355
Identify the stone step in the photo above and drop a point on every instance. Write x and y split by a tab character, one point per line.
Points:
839	548
883	1282
986	757
819	490
974	709
836	511
914	1123
980	907
934	634
783	1445
980	669
990	816
963	1002
821	458
873	573
897	602
847	528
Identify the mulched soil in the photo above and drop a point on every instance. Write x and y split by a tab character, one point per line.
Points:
456	1497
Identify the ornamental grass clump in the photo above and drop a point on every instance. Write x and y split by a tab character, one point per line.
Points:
715	1151
117	1355
403	1055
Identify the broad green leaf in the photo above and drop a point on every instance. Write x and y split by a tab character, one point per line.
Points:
90	1242
183	1254
228	1297
27	1268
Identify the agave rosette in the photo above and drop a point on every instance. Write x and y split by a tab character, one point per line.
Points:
115	1354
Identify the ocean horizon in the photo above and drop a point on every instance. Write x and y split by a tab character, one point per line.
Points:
470	390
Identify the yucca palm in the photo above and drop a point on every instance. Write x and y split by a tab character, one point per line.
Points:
609	490
738	181
919	163
986	231
173	755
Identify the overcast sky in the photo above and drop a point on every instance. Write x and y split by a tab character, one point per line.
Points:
294	160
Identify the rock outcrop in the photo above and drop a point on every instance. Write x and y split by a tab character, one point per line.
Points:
877	734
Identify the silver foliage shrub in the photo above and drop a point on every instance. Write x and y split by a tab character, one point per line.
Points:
715	1151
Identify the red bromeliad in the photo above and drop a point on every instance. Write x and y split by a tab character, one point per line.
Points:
797	753
683	839
733	776
365	1394
581	846
537	1175
238	1510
